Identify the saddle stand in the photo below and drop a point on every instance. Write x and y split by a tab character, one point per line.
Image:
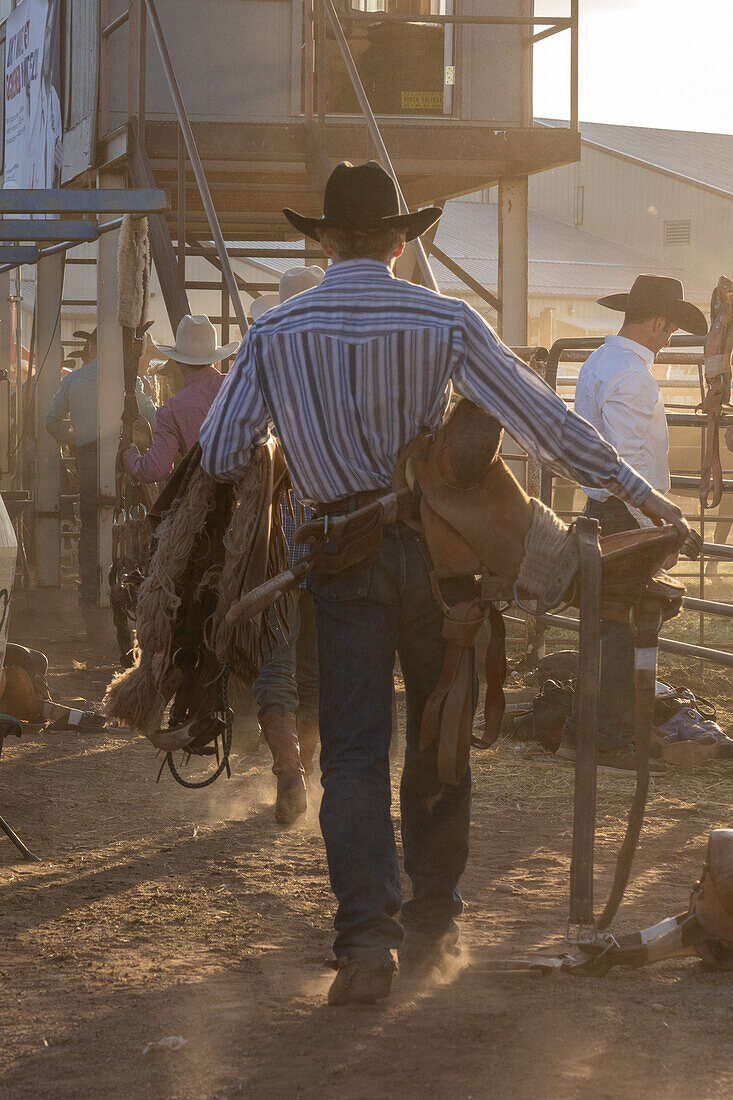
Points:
646	606
645	602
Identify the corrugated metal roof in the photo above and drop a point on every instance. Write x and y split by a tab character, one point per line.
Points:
703	158
563	261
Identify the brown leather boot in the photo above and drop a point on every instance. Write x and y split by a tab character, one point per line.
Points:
280	733
308	741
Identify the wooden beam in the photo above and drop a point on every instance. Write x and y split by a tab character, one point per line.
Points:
47	516
54	201
110	391
6	337
12	229
513	264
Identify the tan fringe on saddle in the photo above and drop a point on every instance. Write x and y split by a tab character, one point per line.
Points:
158	599
253	550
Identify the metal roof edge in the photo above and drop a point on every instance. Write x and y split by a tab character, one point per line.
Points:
658	168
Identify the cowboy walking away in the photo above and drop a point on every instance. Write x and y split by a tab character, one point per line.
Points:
372	359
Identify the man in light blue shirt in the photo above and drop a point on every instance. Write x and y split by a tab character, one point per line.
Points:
72	420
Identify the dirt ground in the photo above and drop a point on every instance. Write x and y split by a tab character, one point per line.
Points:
160	912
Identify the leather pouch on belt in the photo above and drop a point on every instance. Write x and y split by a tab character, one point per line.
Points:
358	545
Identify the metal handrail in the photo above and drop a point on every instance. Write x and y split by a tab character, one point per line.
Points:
376	135
666	645
198	170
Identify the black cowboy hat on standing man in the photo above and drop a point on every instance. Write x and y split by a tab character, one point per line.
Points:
659	296
362	198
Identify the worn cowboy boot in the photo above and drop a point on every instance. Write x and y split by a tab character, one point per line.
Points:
280	733
308	740
361	981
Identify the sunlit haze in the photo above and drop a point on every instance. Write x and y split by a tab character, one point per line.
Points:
663	63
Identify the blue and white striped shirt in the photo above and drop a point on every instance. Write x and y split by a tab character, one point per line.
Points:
349	372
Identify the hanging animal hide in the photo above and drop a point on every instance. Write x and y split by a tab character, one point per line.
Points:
133	268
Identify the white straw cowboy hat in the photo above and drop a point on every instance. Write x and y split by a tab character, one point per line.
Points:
196	343
293	281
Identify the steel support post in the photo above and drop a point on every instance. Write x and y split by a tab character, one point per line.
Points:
6	344
110	392
513	233
18	473
580	922
534	630
49	354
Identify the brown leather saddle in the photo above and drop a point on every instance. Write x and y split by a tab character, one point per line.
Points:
477	521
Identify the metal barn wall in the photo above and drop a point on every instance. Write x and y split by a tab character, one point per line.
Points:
489	63
629	203
233	60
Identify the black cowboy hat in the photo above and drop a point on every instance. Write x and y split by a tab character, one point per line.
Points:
661	297
363	198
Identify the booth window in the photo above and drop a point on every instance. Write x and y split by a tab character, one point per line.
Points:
401	65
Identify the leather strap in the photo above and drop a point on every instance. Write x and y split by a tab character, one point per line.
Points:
448	713
711	470
495	669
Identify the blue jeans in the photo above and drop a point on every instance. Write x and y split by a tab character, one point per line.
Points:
362	620
616	708
287	680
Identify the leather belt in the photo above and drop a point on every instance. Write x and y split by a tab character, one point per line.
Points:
352	502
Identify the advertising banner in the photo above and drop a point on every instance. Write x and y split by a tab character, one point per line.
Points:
33	132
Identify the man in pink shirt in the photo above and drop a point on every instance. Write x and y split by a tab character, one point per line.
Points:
179	421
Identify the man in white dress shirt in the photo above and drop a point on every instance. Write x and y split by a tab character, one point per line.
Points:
618	394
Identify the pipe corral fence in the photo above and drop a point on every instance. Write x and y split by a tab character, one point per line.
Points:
684	351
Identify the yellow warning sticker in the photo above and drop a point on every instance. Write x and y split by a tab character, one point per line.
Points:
420	101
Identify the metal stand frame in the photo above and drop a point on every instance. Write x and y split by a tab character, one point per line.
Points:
15	729
26	852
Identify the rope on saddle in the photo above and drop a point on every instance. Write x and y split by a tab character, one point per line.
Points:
223	764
